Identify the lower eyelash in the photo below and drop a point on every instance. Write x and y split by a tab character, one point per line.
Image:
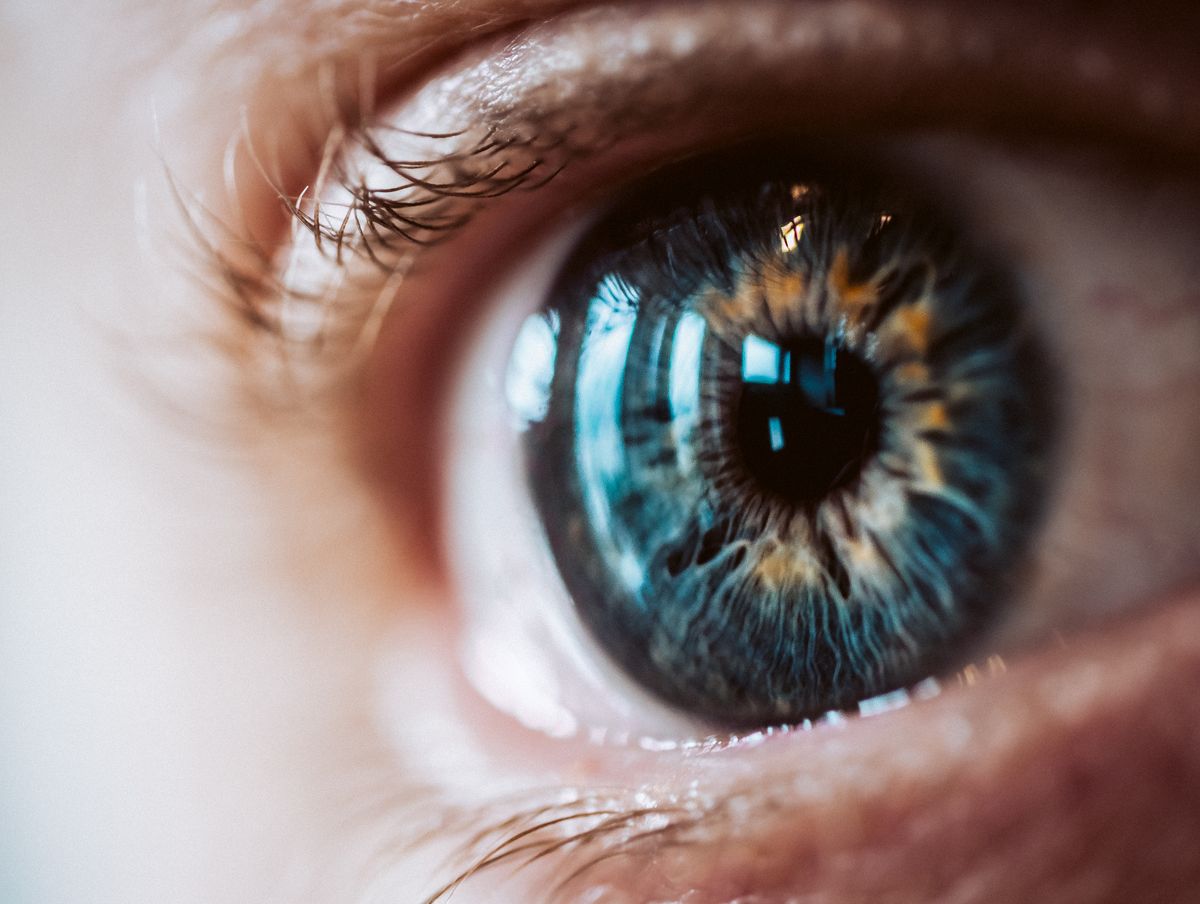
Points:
584	834
576	832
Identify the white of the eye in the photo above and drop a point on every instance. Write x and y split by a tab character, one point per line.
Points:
523	648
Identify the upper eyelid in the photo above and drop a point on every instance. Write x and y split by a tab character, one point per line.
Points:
289	38
488	107
484	114
314	69
292	40
485	108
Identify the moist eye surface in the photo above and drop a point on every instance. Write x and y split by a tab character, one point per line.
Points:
788	435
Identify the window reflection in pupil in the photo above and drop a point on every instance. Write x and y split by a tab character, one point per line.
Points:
807	416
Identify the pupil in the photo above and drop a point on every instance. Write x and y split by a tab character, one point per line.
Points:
807	416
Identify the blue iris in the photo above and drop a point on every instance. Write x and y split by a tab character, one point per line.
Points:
792	440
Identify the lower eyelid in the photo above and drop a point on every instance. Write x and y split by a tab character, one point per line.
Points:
1022	768
983	795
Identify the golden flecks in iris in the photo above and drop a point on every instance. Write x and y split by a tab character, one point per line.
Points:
853	297
929	471
772	297
784	565
724	313
912	373
862	554
934	417
913	323
786	559
781	291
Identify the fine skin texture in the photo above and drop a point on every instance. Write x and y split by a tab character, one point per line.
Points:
228	629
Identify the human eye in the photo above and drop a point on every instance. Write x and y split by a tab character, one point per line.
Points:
685	482
904	248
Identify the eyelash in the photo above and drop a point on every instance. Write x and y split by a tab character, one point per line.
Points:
610	829
415	216
275	349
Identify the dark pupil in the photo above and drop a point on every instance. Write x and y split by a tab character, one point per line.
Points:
807	416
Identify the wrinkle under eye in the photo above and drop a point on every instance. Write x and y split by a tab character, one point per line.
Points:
788	437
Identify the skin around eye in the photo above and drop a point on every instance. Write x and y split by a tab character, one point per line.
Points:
190	650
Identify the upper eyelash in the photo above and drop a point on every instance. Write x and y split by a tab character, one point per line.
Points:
420	210
384	227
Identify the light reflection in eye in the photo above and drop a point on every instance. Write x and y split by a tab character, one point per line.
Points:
603	458
684	392
791	232
761	361
527	380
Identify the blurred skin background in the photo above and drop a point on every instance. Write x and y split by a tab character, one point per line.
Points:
228	629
